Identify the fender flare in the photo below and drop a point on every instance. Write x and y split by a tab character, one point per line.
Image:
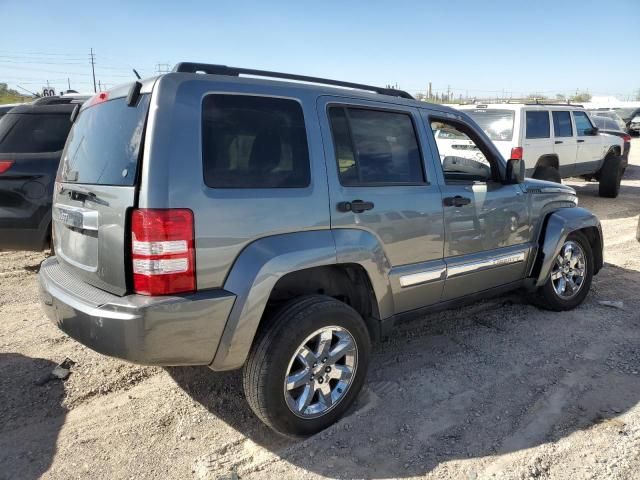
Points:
262	263
558	225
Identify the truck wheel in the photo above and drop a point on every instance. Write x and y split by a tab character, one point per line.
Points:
307	365
547	173
610	176
570	278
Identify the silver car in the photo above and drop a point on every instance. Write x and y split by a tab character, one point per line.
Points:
205	218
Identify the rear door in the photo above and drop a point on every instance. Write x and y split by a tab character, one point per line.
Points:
96	187
380	184
564	140
537	137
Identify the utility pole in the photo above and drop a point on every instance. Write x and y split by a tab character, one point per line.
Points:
430	94
99	86
93	70
69	83
448	92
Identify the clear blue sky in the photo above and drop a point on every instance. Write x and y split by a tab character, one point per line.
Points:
479	47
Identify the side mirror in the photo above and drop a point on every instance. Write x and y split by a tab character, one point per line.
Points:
515	171
595	130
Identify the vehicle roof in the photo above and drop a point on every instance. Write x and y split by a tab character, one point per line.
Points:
147	86
43	109
519	106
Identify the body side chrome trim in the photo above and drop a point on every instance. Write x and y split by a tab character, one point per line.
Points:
507	259
423	277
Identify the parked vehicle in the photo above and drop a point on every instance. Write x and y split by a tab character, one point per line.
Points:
554	140
32	137
610	126
611	115
631	117
282	227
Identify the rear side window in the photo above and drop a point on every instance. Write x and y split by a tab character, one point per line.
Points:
562	124
254	142
583	125
104	144
375	147
537	124
33	133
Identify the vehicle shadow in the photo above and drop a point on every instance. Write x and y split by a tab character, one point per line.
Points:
481	381
624	206
27	447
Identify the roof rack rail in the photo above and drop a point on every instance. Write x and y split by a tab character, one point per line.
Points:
555	104
212	69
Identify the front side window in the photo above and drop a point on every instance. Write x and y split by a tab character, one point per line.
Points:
375	147
562	124
461	157
254	142
537	124
583	124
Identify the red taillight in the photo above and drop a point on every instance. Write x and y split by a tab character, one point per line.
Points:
5	165
626	138
99	98
516	153
162	251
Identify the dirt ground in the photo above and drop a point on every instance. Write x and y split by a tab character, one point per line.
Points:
498	389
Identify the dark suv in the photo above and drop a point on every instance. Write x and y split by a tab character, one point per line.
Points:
31	141
210	219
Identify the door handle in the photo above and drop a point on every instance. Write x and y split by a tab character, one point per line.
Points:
456	201
580	141
559	141
355	206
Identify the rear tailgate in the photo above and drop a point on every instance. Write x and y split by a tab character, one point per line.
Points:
97	186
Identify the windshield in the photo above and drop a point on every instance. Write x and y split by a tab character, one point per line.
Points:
497	124
605	123
626	113
104	144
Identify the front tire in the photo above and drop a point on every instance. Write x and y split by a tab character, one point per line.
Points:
611	176
570	277
307	365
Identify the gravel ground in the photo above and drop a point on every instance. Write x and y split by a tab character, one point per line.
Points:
498	389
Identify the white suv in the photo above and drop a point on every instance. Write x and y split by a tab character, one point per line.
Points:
555	141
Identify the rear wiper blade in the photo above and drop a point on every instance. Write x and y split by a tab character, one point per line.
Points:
83	195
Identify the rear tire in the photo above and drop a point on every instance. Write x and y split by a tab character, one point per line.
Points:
552	295
289	351
611	176
549	174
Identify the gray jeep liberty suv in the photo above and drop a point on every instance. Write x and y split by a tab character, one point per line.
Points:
203	217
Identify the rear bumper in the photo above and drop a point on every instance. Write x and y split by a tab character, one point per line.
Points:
179	330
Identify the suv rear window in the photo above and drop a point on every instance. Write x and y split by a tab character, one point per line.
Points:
254	142
537	124
33	133
497	124
104	143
